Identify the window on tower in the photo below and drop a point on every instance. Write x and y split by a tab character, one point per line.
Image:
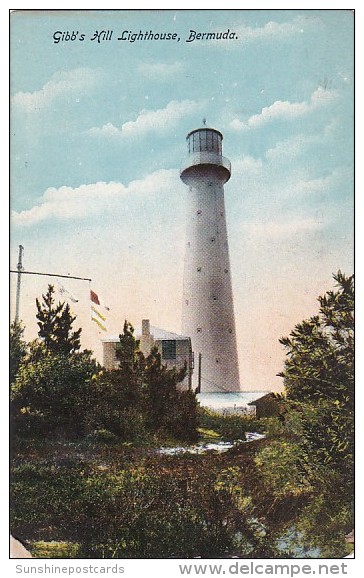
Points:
203	142
195	142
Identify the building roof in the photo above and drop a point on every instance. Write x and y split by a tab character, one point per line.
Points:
270	395
204	128
155	332
226	400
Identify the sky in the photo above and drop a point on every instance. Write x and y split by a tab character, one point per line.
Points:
98	135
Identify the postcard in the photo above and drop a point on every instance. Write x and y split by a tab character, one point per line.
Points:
182	290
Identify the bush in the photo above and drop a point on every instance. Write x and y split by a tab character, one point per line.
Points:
142	511
280	465
51	395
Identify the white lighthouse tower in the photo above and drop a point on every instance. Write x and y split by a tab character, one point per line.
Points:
208	311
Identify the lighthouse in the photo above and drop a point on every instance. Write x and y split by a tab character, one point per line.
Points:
208	309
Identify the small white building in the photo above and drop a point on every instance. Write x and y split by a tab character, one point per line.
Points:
175	350
232	403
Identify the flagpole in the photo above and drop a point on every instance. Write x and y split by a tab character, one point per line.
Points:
20	269
51	274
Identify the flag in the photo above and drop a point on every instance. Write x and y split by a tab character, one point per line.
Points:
96	299
66	294
98	318
96	315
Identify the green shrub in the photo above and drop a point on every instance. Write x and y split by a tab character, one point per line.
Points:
50	395
144	511
280	466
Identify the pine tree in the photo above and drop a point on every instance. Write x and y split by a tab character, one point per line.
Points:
55	325
127	352
319	380
152	388
18	348
320	350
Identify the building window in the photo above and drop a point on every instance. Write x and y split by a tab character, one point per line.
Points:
196	142
203	143
169	349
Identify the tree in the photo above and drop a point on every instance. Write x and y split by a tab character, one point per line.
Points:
168	409
320	350
319	382
146	387
319	376
18	348
50	395
55	325
127	352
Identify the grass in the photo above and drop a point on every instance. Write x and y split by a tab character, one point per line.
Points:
54	549
208	435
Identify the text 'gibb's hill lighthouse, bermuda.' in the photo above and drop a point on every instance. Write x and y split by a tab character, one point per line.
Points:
208	310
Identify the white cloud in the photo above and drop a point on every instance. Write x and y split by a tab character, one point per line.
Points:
285	110
247	166
291	147
285	199
160	70
150	120
271	30
96	198
71	82
107	130
281	230
340	178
